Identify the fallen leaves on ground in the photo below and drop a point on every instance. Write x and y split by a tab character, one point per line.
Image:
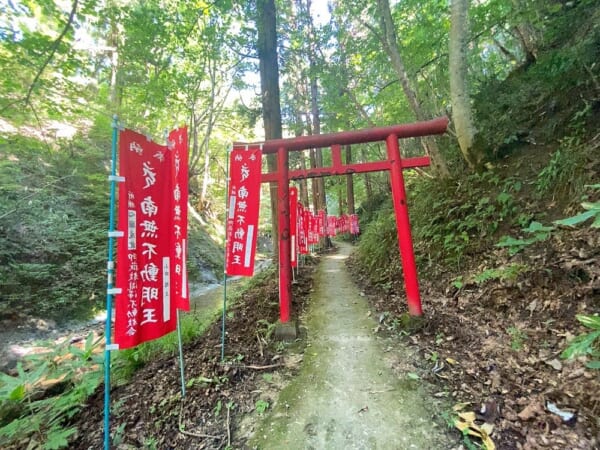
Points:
499	342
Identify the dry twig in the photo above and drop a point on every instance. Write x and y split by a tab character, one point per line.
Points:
190	433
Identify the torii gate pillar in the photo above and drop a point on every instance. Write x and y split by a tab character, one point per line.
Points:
403	227
285	268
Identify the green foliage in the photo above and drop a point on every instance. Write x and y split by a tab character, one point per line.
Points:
517	338
453	219
537	233
266	329
261	406
546	95
458	282
370	207
449	221
32	412
502	273
191	326
378	249
268	377
53	218
586	344
564	173
592	212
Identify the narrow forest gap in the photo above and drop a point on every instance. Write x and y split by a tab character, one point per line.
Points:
346	394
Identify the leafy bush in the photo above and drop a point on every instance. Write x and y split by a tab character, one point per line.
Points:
53	221
369	209
454	218
378	248
535	230
566	173
34	414
538	232
587	344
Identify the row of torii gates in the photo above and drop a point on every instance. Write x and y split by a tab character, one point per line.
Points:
394	164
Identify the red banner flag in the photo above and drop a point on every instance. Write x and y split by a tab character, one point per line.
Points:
339	224
145	308
321	223
243	208
310	219
294	226
178	146
331	225
315	228
302	230
354	228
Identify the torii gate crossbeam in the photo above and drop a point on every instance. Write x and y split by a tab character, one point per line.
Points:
394	163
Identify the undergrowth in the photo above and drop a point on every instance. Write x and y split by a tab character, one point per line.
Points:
48	389
450	221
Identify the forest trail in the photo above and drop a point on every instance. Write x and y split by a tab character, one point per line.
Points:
347	395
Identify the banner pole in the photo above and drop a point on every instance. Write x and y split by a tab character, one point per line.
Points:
224	314
109	283
181	366
179	340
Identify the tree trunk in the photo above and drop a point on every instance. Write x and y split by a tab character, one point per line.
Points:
314	183
113	41
314	106
316	129
390	43
461	103
349	182
526	33
302	183
303	194
206	141
269	87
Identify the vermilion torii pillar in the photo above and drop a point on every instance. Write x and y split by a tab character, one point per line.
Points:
394	164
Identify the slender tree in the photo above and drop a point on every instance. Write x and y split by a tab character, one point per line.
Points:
390	43
461	103
349	182
269	85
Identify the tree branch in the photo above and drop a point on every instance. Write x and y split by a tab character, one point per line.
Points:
52	51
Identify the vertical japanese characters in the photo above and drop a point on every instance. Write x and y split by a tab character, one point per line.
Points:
151	270
242	210
178	146
302	229
294	226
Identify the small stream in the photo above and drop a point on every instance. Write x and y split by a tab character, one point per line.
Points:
17	342
27	339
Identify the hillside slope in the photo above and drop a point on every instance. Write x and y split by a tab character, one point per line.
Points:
507	290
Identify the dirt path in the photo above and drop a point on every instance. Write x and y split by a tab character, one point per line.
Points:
346	395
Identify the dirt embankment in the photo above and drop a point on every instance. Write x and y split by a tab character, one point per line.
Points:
497	344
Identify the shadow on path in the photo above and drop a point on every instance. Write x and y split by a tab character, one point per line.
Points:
346	396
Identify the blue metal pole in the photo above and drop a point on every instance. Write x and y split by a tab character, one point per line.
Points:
229	150
109	284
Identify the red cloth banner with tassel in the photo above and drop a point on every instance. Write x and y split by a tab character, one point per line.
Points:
294	226
178	147
243	208
146	306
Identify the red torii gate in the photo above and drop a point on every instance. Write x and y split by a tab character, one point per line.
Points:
394	163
